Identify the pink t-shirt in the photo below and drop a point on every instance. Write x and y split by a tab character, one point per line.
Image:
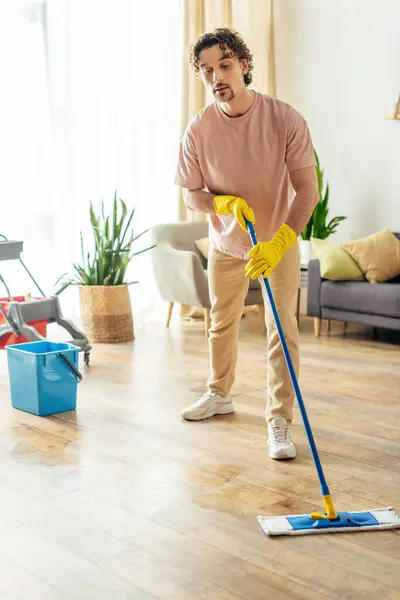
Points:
249	156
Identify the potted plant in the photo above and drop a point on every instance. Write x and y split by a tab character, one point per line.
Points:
317	227
101	277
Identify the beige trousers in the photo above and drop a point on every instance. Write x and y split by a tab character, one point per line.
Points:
228	289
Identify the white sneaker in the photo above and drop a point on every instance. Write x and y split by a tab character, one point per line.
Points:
209	405
280	444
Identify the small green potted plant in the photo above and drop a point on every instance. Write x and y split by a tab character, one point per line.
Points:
317	226
102	275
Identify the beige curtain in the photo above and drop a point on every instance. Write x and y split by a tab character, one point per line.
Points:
256	27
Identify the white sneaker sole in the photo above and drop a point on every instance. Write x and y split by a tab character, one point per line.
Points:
225	408
288	454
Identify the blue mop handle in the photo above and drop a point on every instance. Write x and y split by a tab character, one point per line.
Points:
314	451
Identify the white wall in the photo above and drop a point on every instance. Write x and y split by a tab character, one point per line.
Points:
338	63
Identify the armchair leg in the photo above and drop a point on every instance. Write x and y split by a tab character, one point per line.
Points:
317	326
169	314
207	321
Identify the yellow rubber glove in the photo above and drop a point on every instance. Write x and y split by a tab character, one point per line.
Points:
226	205
265	256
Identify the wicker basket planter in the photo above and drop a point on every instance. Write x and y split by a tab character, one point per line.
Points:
102	275
106	313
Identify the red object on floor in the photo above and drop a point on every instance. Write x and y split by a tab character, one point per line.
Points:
11	338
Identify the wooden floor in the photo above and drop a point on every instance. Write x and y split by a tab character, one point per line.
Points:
122	500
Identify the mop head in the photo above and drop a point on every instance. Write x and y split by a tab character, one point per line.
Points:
381	518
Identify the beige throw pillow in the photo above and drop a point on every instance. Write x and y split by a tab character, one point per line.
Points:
377	255
203	246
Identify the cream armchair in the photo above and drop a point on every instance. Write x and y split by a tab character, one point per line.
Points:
181	270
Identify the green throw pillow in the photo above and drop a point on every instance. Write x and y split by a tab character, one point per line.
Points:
336	263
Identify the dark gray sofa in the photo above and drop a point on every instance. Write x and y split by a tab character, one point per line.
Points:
375	304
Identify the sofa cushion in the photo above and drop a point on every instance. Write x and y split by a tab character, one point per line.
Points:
362	297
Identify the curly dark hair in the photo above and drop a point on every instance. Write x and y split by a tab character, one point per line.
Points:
226	39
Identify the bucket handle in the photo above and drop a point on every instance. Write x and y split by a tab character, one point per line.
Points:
72	367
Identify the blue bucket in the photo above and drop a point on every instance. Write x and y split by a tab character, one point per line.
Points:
42	382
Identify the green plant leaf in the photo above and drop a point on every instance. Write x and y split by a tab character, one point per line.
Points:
306	234
107	229
64	287
114	229
119	223
336	220
83	275
317	225
127	226
93	219
82	250
112	250
316	159
144	250
60	278
139	235
124	214
325	200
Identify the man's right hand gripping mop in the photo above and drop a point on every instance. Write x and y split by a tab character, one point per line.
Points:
329	521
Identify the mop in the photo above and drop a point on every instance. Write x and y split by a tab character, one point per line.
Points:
329	521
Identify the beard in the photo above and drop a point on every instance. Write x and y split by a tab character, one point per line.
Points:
224	95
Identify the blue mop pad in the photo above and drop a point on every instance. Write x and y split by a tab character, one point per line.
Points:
329	521
381	518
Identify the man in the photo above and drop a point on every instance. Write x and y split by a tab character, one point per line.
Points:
240	159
